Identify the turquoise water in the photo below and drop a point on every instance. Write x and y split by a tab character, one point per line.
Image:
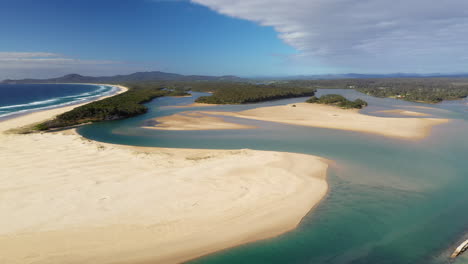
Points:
22	98
390	201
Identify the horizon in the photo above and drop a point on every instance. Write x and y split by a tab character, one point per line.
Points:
291	77
219	37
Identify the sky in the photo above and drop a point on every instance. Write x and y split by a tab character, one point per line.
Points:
50	38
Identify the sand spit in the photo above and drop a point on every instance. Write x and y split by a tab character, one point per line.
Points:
402	112
191	105
192	121
316	115
68	200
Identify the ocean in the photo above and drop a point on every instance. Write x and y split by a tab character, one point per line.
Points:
23	98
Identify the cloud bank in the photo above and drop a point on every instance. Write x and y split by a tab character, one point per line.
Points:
21	60
17	65
367	35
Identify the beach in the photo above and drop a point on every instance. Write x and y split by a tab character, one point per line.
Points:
192	105
192	121
324	116
402	112
72	200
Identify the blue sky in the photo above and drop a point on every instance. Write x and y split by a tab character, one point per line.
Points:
216	37
140	35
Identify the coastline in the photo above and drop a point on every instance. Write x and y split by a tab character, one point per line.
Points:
121	89
401	112
93	194
324	116
192	105
192	121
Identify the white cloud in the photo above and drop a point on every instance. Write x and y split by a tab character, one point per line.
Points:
17	65
20	60
18	55
399	35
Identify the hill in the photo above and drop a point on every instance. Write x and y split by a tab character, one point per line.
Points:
138	76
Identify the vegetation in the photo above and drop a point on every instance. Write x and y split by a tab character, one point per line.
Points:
130	103
242	93
338	100
121	106
427	90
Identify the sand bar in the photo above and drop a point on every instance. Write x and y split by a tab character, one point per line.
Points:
192	121
316	115
192	105
71	200
402	112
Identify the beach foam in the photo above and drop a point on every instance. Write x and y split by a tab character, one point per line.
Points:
103	90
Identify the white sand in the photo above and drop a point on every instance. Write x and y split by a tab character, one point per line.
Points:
65	199
316	115
192	105
194	121
402	112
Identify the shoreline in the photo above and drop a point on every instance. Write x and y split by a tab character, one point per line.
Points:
192	121
401	112
192	105
330	117
120	89
93	192
308	115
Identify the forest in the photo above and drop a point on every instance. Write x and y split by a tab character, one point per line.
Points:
338	100
423	91
427	90
242	93
131	103
127	104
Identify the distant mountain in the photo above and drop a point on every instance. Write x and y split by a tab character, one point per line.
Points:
367	76
138	76
164	76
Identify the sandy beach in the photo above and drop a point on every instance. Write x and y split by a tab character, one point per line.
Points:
192	121
316	115
71	200
402	112
192	105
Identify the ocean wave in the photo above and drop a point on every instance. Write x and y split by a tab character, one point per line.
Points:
30	104
93	93
59	102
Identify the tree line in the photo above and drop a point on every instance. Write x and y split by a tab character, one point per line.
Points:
242	93
338	100
131	102
427	90
124	105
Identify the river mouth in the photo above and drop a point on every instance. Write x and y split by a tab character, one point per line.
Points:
391	201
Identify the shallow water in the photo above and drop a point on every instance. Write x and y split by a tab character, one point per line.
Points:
390	201
21	98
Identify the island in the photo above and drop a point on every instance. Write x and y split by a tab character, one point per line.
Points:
242	93
338	100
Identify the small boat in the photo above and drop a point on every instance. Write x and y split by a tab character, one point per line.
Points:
460	249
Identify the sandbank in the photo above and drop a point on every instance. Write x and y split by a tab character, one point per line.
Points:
192	121
324	116
402	112
192	105
66	199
